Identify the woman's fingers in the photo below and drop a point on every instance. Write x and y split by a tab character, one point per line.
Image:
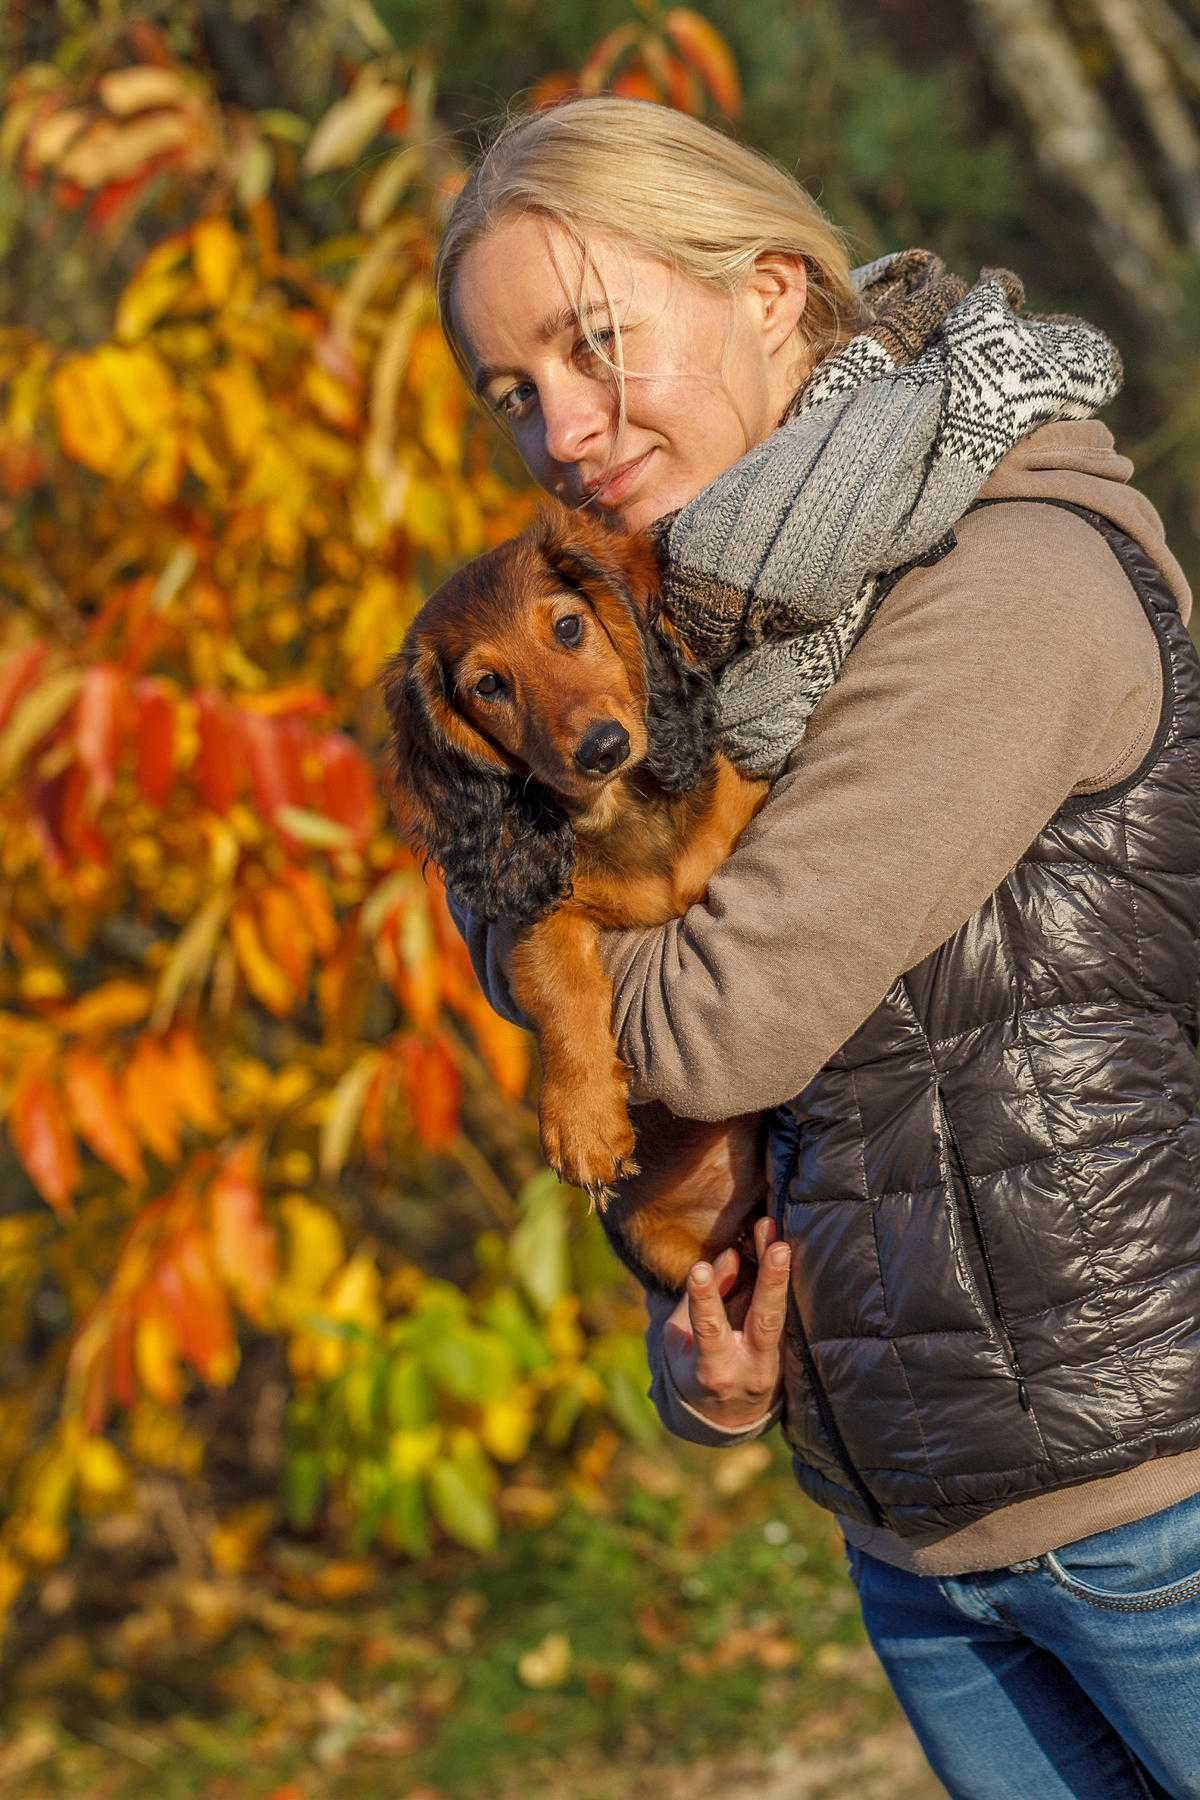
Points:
768	1306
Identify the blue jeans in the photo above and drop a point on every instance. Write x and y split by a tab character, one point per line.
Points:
1075	1676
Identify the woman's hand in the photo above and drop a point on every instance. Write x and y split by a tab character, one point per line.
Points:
725	1361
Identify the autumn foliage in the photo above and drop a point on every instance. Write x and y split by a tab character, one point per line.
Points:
236	1023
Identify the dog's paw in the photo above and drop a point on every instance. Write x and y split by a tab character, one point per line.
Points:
590	1142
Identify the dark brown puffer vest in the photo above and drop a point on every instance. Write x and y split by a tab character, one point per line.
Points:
993	1189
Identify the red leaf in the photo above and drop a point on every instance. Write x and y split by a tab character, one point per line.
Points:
219	765
79	830
434	1090
155	740
243	1241
98	726
18	675
348	792
273	750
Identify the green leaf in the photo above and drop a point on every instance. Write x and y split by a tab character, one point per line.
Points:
506	1313
463	1513
561	1415
406	1516
303	1488
631	1407
409	1396
471	1365
537	1249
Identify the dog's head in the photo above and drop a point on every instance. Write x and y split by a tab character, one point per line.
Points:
537	676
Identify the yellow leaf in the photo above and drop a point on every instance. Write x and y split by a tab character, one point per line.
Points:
216	256
156	1354
344	1112
315	1246
90	424
145	301
141	86
142	385
37	713
102	1472
354	1293
548	1664
507	1425
411	1452
192	956
242	404
350	124
313	828
110	152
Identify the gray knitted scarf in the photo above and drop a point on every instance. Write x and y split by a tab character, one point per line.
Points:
770	572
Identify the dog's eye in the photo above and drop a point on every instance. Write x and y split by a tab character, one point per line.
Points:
488	686
569	629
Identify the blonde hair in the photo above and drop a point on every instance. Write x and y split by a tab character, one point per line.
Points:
667	185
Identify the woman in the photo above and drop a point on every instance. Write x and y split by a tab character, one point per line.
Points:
956	952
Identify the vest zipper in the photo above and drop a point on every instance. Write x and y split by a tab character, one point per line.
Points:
1002	1332
825	1412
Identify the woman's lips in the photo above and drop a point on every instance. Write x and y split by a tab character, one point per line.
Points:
622	481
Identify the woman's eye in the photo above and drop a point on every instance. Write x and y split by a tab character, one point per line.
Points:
509	405
605	336
488	686
569	629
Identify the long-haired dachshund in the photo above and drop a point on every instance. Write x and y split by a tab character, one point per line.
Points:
553	749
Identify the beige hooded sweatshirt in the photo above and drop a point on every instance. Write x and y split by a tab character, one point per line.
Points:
988	688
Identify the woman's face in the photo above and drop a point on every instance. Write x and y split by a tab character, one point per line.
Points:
707	375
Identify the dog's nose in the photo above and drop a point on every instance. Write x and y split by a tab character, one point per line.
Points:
603	748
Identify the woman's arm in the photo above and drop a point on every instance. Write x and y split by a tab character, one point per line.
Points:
983	693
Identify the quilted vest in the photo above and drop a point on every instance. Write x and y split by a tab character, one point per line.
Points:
992	1190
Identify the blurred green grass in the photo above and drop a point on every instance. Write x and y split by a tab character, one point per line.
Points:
693	1629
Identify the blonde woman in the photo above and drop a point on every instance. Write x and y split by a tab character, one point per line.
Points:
955	957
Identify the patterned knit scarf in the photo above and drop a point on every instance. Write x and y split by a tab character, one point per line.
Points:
770	572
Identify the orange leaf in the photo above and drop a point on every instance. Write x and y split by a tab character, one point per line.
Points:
98	722
265	979
99	1114
636	84
199	1308
333	979
507	1050
285	935
155	740
244	1244
76	824
193	1084
381	1093
313	902
150	1099
434	1090
707	51
41	1136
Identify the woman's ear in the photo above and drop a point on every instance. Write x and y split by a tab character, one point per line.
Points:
504	845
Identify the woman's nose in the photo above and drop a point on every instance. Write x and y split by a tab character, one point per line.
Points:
575	420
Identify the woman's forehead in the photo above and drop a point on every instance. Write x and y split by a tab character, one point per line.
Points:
526	277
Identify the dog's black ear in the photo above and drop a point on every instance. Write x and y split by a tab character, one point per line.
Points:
504	845
682	710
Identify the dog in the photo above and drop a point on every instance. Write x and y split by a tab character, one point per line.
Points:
553	751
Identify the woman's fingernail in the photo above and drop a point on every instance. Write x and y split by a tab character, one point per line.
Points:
700	1274
779	1256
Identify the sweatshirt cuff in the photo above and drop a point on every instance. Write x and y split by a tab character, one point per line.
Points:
683	1421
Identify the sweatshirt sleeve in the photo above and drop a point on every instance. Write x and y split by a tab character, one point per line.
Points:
680	1419
984	691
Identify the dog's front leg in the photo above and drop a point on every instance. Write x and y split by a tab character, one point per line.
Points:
560	985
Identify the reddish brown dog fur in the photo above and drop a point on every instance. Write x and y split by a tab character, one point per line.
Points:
554	752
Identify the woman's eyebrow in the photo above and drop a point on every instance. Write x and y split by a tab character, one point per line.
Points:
549	328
